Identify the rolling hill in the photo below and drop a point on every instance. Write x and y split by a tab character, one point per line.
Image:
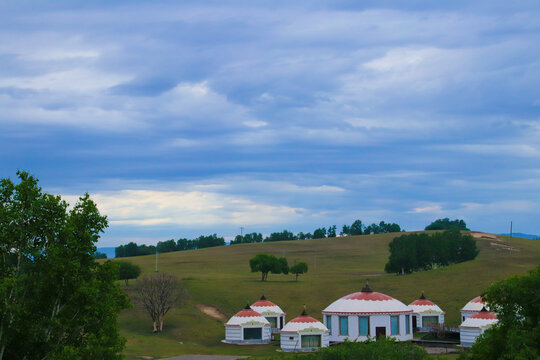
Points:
220	279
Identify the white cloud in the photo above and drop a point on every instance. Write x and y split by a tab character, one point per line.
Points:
435	208
519	150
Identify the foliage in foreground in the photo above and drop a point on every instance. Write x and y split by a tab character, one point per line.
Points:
56	301
416	252
516	301
382	349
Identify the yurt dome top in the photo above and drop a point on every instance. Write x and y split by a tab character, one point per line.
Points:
304	323
482	319
423	305
247	316
474	305
266	307
367	301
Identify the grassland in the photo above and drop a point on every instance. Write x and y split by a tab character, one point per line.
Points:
220	277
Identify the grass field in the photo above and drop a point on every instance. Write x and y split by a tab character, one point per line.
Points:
220	277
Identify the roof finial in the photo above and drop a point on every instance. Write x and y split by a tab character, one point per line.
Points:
247	306
304	313
484	309
422	297
262	297
367	288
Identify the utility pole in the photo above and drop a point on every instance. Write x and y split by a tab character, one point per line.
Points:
156	259
241	231
510	228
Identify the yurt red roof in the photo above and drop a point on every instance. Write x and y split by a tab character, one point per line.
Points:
247	315
266	307
365	302
423	305
304	322
474	305
481	319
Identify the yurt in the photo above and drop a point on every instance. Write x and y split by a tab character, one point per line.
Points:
472	307
272	313
425	314
475	325
368	314
247	327
304	333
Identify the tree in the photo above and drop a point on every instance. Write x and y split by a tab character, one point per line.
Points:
356	228
447	224
332	231
56	301
99	255
517	334
319	233
127	270
299	268
268	263
157	294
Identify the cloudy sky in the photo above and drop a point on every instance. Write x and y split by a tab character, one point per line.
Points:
182	119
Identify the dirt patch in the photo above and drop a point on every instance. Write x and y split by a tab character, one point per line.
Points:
212	312
502	246
480	235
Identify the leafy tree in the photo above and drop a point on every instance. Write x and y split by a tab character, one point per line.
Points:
517	334
447	224
356	228
299	268
281	236
157	294
268	263
302	236
127	270
56	301
319	233
166	246
332	231
99	255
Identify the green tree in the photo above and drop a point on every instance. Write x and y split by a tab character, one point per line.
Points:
517	334
127	270
268	263
99	255
56	301
447	224
299	268
319	233
332	231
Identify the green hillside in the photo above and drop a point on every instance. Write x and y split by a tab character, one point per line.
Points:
220	277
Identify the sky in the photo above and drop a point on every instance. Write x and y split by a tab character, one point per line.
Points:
190	118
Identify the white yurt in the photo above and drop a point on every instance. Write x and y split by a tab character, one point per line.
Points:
472	307
475	325
304	333
425	314
368	314
247	327
272	313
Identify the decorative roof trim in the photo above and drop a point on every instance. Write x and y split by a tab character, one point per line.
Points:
367	313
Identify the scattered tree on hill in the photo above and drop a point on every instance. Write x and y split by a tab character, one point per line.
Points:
157	294
247	238
319	233
99	255
281	236
331	231
56	301
447	224
517	334
414	252
299	268
268	264
302	236
166	246
127	270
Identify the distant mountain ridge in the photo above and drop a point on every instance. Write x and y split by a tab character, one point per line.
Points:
524	236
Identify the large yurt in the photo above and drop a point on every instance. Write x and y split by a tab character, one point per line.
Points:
472	307
425	314
304	333
366	314
272	313
475	325
247	327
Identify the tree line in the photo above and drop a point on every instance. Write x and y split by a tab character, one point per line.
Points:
420	251
132	249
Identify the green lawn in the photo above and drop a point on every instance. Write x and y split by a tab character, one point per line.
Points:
220	277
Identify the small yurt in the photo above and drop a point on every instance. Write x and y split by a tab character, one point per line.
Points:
304	333
472	307
272	313
368	314
247	327
475	325
425	314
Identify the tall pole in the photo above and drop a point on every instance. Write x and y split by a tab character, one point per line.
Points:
241	231
510	228
156	258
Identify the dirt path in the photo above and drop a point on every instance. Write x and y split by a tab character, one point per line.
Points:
212	312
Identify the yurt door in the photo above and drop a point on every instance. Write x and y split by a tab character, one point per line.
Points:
380	331
414	323
252	333
311	341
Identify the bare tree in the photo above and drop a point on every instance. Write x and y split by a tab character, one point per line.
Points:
157	294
